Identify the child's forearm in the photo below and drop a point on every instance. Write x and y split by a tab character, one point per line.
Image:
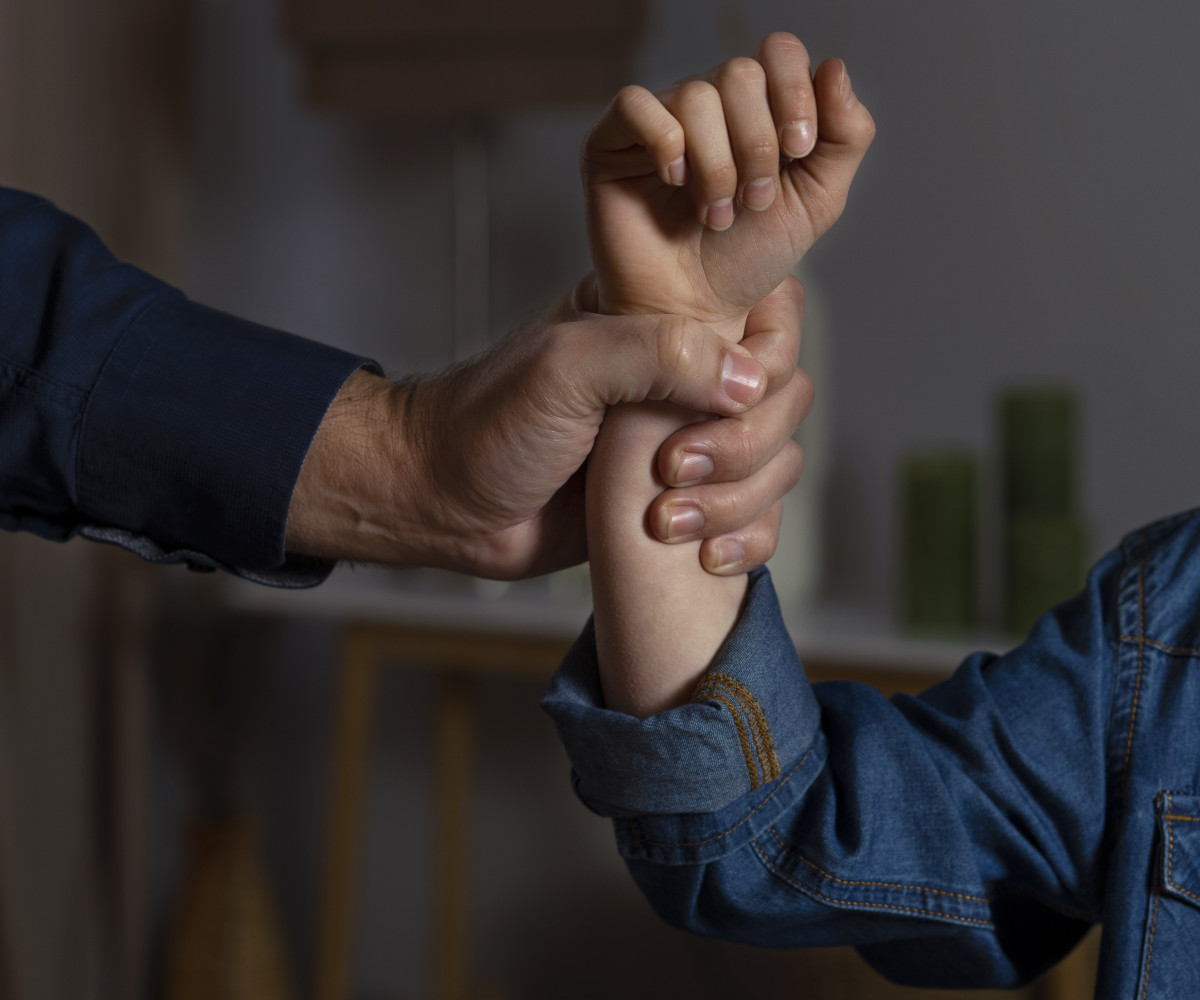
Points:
660	618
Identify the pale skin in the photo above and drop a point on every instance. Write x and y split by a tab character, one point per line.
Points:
692	211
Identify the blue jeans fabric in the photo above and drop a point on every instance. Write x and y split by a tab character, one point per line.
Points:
965	837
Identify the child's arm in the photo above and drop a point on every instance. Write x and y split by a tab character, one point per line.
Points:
663	246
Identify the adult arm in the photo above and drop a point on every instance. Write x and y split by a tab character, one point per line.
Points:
129	414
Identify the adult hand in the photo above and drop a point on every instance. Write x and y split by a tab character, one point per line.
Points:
665	175
480	469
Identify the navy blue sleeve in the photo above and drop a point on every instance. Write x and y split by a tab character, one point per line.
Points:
131	415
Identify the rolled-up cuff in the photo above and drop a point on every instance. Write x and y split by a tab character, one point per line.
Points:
749	730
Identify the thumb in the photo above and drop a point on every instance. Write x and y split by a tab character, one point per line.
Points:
627	359
845	130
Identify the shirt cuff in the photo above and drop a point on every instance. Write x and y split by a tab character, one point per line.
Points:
194	435
743	747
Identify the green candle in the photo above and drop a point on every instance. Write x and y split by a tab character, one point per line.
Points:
1046	564
938	491
1038	450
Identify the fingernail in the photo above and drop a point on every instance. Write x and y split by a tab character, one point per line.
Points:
741	377
759	194
684	520
798	139
730	552
693	468
844	88
677	170
719	215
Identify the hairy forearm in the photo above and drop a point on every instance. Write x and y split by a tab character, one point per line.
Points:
349	502
660	618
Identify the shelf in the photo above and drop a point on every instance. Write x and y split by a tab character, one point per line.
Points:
546	610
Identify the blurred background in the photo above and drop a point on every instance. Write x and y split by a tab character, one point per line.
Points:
1026	215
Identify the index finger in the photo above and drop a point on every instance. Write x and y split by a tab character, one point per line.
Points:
790	89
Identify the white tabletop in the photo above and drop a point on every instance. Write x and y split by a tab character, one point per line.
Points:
557	607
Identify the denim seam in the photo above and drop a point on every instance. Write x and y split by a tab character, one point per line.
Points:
1141	646
1164	647
1171	819
879	885
861	903
639	840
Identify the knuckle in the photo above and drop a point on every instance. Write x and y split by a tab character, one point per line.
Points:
631	100
740	446
868	129
799	293
741	71
671	136
785	45
696	93
795	455
722	175
760	542
676	347
805	393
763	147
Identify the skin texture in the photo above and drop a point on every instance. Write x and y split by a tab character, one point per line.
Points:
479	469
691	211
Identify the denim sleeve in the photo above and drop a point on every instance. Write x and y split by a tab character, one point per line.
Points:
130	415
955	838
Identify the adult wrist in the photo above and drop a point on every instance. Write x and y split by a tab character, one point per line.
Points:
352	498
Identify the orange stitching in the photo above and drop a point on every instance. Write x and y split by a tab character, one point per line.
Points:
710	688
721	836
764	745
741	731
752	708
1182	819
1180	650
1171	850
1137	686
881	885
850	902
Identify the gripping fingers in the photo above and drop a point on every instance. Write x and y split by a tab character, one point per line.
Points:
742	84
745	550
845	131
689	513
697	106
789	82
635	126
724	451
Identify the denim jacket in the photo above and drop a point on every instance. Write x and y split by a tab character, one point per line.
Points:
965	837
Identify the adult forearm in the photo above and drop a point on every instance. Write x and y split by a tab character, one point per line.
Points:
350	500
660	618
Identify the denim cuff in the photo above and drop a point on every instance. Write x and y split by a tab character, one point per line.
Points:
749	729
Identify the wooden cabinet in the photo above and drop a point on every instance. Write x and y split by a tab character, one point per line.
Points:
416	59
